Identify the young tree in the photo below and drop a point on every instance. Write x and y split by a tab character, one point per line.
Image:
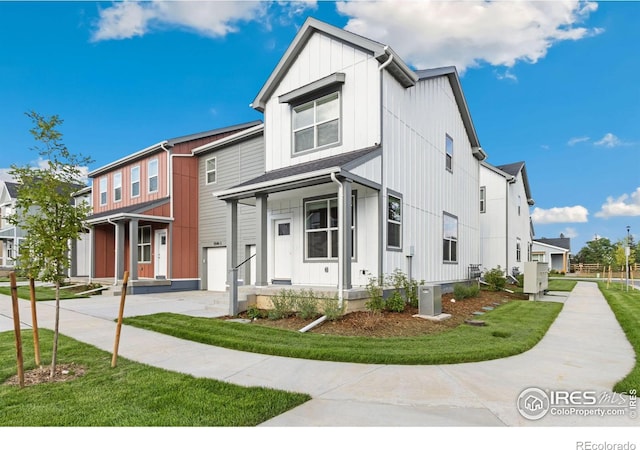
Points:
45	210
599	251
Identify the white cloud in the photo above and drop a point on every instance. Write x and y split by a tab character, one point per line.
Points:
467	34
210	18
559	215
625	205
577	140
609	140
570	232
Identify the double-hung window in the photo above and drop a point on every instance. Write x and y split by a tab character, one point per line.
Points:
321	228
117	186
483	199
394	222
518	250
316	123
103	191
211	170
144	244
135	181
152	173
450	238
449	153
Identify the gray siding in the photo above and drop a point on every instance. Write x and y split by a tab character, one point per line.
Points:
236	163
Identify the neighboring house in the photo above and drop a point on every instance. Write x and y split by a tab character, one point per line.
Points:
507	233
371	166
554	251
81	248
10	235
145	214
222	164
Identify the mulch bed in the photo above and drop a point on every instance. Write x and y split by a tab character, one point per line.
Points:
391	324
63	372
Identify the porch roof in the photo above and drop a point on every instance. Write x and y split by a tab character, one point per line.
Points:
305	174
131	212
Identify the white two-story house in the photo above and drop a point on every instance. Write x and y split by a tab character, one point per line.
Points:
507	232
370	166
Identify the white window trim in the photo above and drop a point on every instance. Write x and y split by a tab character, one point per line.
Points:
448	163
150	176
142	245
315	124
518	250
214	171
329	228
135	180
483	199
117	184
103	190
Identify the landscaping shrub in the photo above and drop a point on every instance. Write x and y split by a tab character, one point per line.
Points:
332	308
395	303
283	305
306	304
253	312
462	291
376	301
495	279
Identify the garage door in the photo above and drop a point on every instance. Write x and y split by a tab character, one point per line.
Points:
217	269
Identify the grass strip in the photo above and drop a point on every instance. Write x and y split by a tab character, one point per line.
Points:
626	307
510	329
130	395
43	293
556	284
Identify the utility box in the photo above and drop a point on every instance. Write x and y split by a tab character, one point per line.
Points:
536	279
430	300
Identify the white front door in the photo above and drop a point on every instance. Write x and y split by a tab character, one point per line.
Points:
282	250
217	269
161	253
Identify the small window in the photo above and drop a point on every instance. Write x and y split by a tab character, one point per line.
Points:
450	238
153	175
519	204
144	244
449	156
135	181
316	123
117	186
394	222
483	199
211	170
284	229
103	191
518	250
321	228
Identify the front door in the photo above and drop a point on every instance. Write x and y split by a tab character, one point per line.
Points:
161	253
282	250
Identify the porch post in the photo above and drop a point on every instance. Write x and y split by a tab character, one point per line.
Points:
261	240
346	222
232	255
133	249
92	253
120	250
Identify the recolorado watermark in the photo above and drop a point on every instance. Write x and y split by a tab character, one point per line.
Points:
589	445
535	403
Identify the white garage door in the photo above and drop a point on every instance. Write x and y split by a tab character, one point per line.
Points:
217	269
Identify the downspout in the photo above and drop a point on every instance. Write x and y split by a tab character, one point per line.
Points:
115	269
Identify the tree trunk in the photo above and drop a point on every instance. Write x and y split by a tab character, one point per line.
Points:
54	353
34	321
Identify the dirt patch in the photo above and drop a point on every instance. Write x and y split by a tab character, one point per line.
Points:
392	324
63	372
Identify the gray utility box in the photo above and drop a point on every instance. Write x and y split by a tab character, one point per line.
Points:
430	302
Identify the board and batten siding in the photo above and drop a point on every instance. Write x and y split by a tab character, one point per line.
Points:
235	164
416	121
494	220
360	100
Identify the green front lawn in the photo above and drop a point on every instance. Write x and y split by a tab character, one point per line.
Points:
510	329
42	293
559	284
130	395
626	306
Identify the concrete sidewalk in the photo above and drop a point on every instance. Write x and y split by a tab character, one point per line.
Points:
585	349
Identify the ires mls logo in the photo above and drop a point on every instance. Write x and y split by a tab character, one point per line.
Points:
533	403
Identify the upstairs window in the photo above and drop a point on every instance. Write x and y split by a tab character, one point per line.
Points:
449	155
135	181
117	186
316	123
153	175
211	170
483	199
450	238
103	191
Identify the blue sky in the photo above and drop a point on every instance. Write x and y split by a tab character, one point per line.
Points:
553	83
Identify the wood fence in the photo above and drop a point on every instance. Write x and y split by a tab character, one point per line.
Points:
600	268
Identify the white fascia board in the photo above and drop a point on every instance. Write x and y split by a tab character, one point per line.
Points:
126	159
249	132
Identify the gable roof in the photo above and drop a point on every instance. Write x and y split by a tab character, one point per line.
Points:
452	73
169	143
12	188
561	242
396	67
511	172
